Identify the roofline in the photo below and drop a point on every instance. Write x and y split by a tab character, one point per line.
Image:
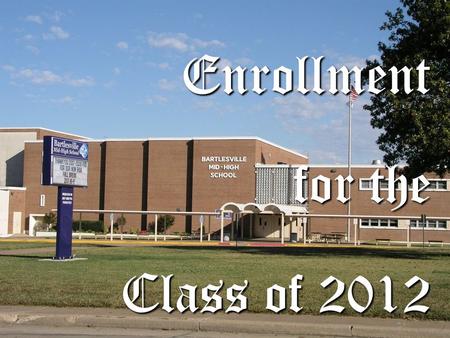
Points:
260	165
189	139
283	148
353	165
41	128
13	188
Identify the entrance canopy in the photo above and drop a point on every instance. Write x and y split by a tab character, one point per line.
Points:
271	208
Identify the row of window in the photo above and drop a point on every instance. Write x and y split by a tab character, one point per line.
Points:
379	222
393	223
430	223
367	184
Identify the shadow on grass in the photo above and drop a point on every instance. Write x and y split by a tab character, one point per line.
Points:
325	252
34	257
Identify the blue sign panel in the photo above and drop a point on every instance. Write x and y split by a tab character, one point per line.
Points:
65	162
64	223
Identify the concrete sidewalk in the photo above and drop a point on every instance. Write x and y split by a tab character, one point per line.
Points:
268	324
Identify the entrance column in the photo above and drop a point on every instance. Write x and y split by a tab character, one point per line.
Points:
232	225
241	222
290	227
209	227
251	226
221	226
282	228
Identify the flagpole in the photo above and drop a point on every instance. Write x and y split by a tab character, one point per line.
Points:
349	163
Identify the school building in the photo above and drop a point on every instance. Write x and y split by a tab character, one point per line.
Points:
247	181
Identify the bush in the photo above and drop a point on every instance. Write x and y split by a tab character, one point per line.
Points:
120	223
88	226
40	227
168	219
49	220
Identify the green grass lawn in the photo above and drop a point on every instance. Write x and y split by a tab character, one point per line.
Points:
98	282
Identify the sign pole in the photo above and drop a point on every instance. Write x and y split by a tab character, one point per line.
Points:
64	223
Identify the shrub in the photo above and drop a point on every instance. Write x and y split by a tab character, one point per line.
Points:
50	221
120	223
88	226
168	219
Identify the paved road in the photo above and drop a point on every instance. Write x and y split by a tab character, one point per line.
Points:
36	321
79	332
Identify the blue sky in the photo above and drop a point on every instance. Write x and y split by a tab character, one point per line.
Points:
113	69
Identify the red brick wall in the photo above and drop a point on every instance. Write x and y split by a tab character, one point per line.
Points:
16	204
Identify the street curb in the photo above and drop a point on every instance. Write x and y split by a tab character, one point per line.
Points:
304	325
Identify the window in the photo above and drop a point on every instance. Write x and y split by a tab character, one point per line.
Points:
441	185
365	183
379	222
437	185
42	201
431	224
441	224
384	184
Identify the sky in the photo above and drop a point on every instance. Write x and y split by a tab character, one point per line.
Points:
114	69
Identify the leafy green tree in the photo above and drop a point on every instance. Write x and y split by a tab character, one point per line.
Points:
50	219
415	127
164	223
121	222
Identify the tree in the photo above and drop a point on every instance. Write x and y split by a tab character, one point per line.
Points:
50	219
164	223
415	127
121	222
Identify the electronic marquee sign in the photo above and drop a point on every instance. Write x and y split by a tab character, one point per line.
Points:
65	162
65	165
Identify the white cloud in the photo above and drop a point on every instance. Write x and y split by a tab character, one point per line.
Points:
116	71
38	76
162	65
165	84
180	42
63	100
224	62
155	99
56	32
122	45
47	77
34	19
8	68
198	16
56	16
296	106
33	49
244	61
206	104
80	82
